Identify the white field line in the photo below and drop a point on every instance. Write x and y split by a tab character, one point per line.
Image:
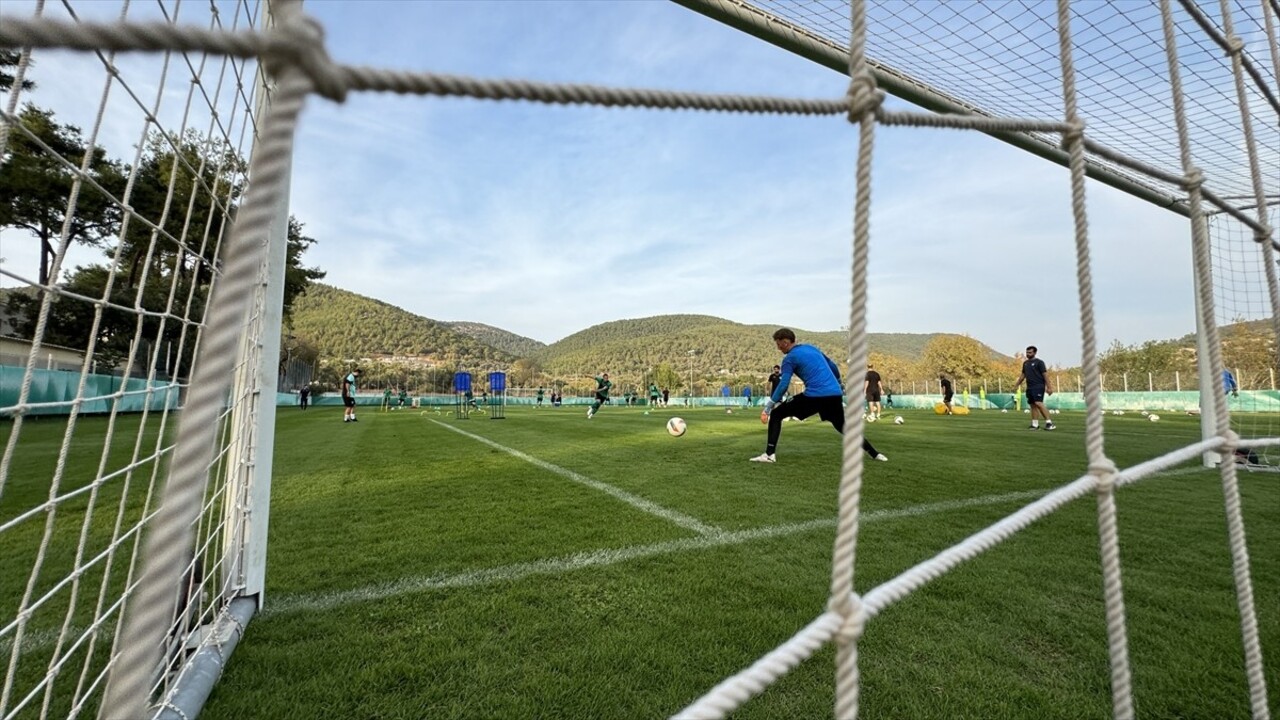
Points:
36	640
601	558
635	501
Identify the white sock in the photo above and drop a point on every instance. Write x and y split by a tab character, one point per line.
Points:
1035	423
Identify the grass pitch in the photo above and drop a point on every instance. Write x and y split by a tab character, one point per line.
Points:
549	566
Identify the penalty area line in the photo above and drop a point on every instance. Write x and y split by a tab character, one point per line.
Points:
635	501
601	558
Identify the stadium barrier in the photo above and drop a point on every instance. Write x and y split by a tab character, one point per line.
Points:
54	392
1187	400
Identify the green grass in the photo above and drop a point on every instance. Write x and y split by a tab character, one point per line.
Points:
417	572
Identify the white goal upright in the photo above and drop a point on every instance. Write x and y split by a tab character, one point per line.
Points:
135	573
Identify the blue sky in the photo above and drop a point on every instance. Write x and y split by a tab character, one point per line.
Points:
546	220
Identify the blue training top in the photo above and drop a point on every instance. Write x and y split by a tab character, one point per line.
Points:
820	375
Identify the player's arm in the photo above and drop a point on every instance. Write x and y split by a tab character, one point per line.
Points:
835	369
1048	384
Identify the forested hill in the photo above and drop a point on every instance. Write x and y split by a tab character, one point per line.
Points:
720	345
506	341
342	324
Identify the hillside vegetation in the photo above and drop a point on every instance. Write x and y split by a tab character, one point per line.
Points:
344	325
720	346
506	341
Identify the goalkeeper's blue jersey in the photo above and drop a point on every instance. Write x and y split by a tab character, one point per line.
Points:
819	374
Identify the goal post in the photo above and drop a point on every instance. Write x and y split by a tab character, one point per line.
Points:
140	570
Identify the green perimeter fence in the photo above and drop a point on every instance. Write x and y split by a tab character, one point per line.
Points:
53	392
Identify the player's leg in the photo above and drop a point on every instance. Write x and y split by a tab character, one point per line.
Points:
780	412
1044	413
833	412
1035	402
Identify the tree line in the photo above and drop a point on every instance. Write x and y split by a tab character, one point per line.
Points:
158	222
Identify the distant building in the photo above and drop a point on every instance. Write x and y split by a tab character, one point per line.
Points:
15	351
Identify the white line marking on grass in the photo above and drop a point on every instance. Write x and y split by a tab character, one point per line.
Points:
601	558
635	501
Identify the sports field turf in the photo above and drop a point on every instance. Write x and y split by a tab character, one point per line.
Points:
547	566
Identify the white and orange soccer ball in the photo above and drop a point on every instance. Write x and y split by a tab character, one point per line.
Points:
898	420
676	426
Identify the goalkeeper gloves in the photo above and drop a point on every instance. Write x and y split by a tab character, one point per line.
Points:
769	405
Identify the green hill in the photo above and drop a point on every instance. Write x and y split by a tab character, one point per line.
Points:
632	346
345	325
508	342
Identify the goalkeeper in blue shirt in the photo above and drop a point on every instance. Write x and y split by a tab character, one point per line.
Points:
822	394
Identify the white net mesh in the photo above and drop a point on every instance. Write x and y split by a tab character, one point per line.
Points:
1044	68
103	293
1248	340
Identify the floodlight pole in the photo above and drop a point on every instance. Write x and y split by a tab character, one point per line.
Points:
691	354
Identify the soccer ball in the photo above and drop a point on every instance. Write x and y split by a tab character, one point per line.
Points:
676	426
898	420
1153	417
1004	410
870	418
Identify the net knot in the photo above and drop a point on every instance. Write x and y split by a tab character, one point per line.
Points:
855	619
1074	132
1105	471
1234	45
300	43
1193	180
1231	440
864	96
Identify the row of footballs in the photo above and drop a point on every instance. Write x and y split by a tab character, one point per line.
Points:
1150	416
677	426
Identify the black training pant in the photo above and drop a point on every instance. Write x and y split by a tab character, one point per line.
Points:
830	409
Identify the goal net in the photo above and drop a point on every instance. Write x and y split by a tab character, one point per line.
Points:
117	256
1243	302
140	569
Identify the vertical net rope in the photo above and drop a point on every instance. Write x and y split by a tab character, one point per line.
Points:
1204	292
294	52
1101	468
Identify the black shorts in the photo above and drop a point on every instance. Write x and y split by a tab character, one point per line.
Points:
830	409
1035	395
348	401
947	398
873	397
